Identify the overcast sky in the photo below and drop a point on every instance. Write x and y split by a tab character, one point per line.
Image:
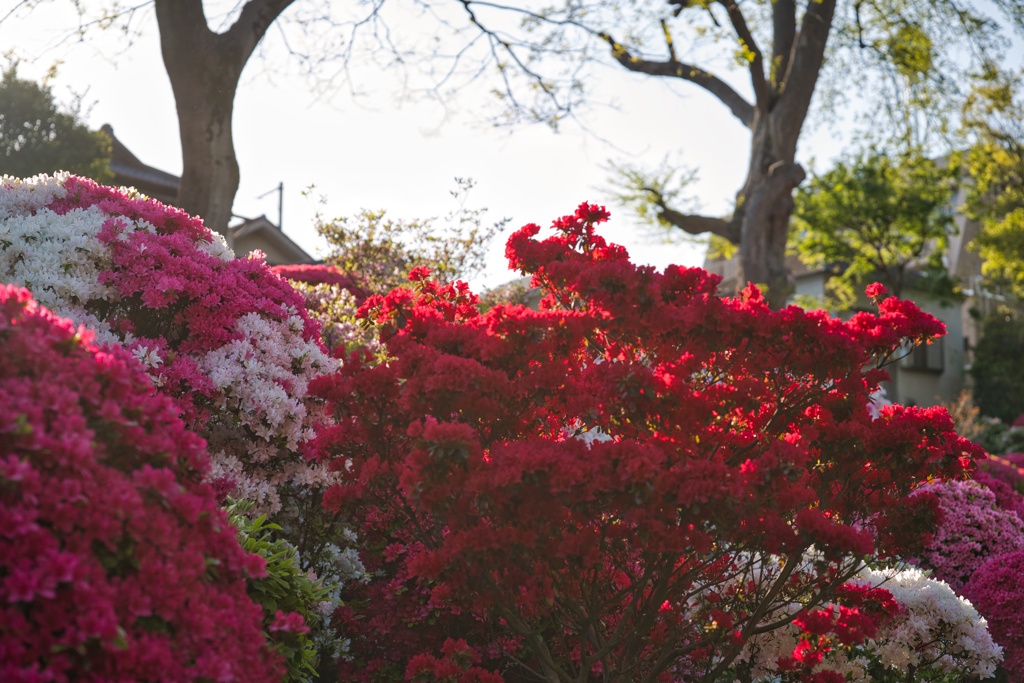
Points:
379	153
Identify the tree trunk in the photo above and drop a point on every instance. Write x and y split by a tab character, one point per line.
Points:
782	96
210	175
204	68
766	200
764	206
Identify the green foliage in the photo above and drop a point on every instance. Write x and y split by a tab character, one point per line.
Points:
996	166
286	588
998	367
38	136
379	252
874	217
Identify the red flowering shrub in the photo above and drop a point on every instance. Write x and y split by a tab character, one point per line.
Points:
622	483
996	591
115	562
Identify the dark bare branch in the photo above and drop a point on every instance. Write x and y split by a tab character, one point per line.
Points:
496	43
739	107
699	225
784	30
252	24
17	6
185	36
756	63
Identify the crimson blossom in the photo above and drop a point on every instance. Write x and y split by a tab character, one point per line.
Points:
115	562
995	589
622	484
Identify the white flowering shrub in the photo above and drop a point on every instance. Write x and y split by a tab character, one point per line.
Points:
226	337
936	636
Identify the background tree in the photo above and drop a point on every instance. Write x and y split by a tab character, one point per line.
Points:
378	252
995	164
998	366
204	68
875	217
913	60
39	136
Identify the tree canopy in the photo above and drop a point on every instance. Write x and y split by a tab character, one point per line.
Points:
910	63
763	60
875	216
38	135
996	167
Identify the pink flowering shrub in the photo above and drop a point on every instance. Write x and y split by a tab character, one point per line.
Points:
115	562
1008	468
226	337
319	274
1006	497
998	593
973	530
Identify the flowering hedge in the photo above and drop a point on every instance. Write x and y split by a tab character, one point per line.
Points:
226	337
996	590
973	530
601	487
932	635
115	562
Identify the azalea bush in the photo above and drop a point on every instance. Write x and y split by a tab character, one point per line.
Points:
228	339
622	484
973	529
115	561
332	299
996	590
932	635
293	602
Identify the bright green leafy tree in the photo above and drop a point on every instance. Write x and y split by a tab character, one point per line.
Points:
876	217
998	366
996	166
37	135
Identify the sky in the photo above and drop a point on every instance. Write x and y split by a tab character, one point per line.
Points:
378	152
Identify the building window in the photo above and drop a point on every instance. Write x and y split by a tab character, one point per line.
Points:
925	357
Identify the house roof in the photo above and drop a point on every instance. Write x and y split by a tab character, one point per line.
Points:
249	235
129	170
260	233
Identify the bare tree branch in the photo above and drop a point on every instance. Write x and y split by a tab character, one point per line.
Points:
252	24
698	225
496	42
672	68
756	64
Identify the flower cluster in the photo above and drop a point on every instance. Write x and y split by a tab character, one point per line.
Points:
937	631
996	590
973	529
933	634
226	337
335	306
456	665
316	274
115	562
731	431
